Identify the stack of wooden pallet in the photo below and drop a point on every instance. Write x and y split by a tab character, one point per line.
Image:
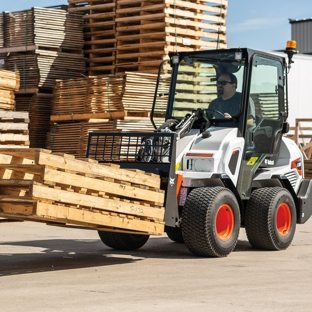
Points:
14	129
9	82
39	108
87	98
148	30
135	35
13	124
72	137
108	103
99	34
37	185
43	44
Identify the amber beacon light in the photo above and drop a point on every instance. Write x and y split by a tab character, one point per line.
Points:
291	49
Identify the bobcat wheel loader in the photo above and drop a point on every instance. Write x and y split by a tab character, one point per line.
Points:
219	175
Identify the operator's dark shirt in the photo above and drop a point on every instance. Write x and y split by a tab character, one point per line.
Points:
230	106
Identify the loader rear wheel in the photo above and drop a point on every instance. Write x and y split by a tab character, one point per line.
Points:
270	220
211	221
123	241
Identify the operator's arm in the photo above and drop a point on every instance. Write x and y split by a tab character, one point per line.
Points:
251	114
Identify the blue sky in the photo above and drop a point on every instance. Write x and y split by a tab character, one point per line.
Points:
258	24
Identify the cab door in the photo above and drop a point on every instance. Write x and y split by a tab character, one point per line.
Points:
263	141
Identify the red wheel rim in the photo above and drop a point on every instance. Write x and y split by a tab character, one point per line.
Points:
225	222
283	219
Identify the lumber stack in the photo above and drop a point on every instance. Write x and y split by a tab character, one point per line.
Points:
42	44
9	82
135	35
99	34
148	30
14	129
138	93
87	98
37	185
72	138
38	106
116	103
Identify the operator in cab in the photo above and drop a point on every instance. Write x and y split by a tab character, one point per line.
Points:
229	100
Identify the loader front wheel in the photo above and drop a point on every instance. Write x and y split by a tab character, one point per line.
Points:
123	241
211	222
270	219
176	236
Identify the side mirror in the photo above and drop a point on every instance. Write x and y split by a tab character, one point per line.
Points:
285	128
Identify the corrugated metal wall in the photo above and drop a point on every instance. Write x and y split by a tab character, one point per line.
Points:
301	31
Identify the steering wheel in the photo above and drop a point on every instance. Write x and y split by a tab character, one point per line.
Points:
214	111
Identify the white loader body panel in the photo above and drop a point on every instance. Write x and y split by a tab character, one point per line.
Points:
211	155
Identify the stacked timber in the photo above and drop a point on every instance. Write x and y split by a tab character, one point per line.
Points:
14	124
14	129
72	138
9	82
38	106
136	35
1	30
111	103
37	185
139	93
40	28
42	44
88	98
148	30
99	34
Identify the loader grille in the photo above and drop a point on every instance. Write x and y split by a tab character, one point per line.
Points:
132	150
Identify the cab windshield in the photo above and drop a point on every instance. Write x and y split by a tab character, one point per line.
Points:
202	83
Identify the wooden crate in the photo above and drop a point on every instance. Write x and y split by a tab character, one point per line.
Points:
37	185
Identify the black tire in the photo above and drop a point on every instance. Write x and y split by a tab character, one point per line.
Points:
211	222
176	236
123	241
270	219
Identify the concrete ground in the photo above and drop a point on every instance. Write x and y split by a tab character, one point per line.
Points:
47	268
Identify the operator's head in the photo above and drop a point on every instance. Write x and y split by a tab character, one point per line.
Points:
226	85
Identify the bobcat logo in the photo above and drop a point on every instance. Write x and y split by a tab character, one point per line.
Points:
171	182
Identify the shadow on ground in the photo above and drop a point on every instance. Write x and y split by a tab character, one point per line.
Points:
61	254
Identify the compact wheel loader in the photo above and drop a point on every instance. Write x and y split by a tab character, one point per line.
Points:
219	173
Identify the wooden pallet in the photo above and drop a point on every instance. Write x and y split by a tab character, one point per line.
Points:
14	129
37	185
97	97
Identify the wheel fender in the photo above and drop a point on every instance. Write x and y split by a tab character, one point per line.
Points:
304	201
